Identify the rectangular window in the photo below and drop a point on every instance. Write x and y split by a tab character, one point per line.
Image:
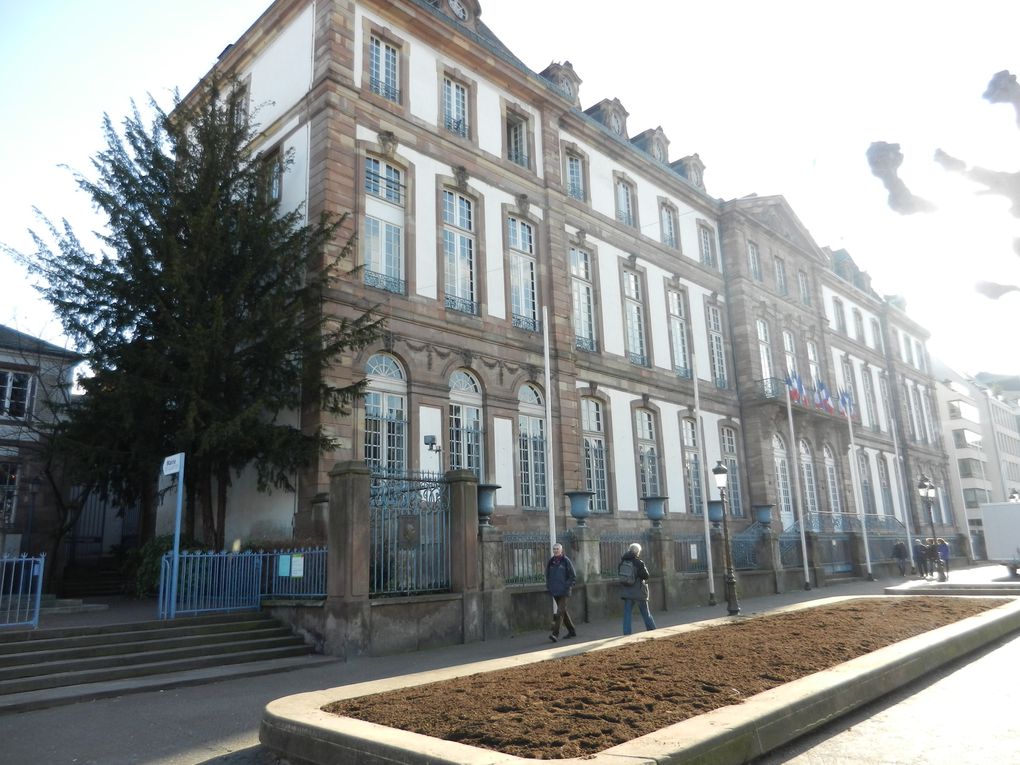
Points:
531	434
385	433
678	334
716	347
728	439
382	238
781	286
455	107
384	69
839	314
754	261
706	245
692	466
668	221
624	202
517	139
8	492
634	318
459	253
17	391
575	177
595	472
812	357
583	295
805	288
858	326
789	352
523	275
466	438
648	457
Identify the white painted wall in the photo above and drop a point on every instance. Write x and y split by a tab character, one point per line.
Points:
282	74
503	460
430	423
624	468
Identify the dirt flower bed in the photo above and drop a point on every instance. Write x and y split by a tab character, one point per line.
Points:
581	705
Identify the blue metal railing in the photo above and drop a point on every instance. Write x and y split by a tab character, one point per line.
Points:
528	323
463	305
21	581
384	282
226	581
586	344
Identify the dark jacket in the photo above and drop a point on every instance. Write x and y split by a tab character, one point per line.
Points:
638	590
559	576
899	551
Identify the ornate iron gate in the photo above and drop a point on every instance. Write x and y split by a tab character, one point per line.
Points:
410	517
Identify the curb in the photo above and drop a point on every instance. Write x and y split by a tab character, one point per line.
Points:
297	728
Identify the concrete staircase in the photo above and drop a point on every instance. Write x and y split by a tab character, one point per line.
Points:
49	667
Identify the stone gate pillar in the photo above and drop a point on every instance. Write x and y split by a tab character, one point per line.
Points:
348	619
464	575
588	566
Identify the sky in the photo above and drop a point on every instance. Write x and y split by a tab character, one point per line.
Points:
776	98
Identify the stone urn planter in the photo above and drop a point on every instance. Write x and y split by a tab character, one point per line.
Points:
763	514
715	511
580	505
655	509
487	502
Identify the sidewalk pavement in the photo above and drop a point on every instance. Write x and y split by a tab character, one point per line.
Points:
218	723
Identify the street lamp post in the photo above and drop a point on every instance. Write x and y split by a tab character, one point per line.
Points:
926	490
720	473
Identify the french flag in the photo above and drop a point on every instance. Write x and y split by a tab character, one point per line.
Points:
846	403
823	399
795	389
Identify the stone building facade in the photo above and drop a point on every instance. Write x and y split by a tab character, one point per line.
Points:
498	218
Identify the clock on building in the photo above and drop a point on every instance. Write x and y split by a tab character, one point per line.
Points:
459	9
566	86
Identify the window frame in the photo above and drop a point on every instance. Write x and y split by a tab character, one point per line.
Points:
531	456
571	151
388	210
465	126
9	385
584	287
516	115
518	261
669	224
707	250
471	304
624	186
754	262
370	31
635	322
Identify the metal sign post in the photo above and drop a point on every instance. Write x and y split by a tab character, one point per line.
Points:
175	464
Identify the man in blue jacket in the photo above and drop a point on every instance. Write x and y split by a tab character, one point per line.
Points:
559	581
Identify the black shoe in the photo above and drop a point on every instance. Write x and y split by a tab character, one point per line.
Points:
571	634
552	637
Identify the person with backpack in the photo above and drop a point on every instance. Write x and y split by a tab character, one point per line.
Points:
633	575
560	578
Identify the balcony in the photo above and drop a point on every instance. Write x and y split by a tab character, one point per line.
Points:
457	125
462	305
588	344
384	282
684	373
528	323
387	91
769	388
576	191
637	359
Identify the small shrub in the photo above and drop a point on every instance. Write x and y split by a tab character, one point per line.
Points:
142	565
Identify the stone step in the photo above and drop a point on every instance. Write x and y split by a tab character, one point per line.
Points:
120	672
123	631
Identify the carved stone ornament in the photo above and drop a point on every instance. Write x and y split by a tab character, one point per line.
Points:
388	141
523	204
388	340
645	398
593	388
460	173
467	357
580	236
632	260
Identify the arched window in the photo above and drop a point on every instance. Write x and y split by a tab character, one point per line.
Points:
465	412
807	472
728	444
885	486
864	472
385	425
692	466
531	446
784	497
832	479
593	427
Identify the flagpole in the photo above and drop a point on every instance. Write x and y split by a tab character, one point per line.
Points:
549	493
857	488
704	487
797	507
901	480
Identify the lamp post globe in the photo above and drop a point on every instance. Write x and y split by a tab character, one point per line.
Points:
721	475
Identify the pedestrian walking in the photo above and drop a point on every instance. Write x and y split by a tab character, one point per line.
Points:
932	553
560	578
899	553
943	550
633	575
921	559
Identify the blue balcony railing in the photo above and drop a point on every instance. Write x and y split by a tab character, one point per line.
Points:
385	282
463	305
